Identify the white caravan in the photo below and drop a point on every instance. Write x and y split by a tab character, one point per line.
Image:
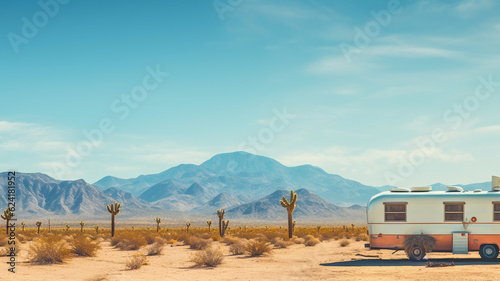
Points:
460	220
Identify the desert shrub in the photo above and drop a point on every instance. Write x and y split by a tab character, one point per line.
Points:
281	244
136	261
84	246
257	248
428	242
149	237
362	237
327	236
239	247
211	256
344	243
129	241
199	244
229	240
311	240
171	241
154	249
298	240
49	250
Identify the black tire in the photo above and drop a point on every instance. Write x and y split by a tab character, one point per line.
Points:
416	253
488	252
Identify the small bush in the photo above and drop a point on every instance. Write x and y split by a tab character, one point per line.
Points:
239	247
298	240
281	244
136	261
229	240
49	250
171	241
362	237
257	248
311	240
199	244
83	246
129	241
154	249
344	243
211	257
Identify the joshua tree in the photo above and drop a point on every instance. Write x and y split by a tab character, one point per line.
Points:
158	221
290	206
23	224
114	209
7	216
209	224
82	223
222	224
67	227
318	227
293	226
188	224
96	229
49	226
352	225
38	224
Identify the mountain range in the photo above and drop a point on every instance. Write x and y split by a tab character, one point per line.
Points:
248	186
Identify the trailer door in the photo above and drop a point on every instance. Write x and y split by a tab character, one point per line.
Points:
460	243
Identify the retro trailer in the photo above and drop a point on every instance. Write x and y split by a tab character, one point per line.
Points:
459	220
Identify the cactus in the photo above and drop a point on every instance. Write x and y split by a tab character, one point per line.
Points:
96	229
209	224
113	209
23	224
290	206
318	227
293	226
38	224
67	227
158	221
222	224
7	216
49	226
352	225
188	224
82	223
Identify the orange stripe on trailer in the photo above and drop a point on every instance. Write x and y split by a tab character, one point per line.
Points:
444	243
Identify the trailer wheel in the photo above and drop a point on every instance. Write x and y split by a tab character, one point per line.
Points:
416	253
488	252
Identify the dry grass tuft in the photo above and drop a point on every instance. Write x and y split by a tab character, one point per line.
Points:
129	241
49	250
210	257
362	237
311	240
84	246
344	243
154	249
136	262
280	243
239	247
258	248
199	244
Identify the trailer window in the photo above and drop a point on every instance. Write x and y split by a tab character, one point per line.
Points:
454	211
395	212
496	211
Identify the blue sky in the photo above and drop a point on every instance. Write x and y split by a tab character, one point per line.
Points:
412	69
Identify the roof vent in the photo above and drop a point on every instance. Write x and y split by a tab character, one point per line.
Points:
452	188
399	189
421	188
495	183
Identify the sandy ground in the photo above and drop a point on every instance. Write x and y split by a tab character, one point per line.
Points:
325	261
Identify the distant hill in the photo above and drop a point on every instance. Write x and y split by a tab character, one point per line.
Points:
308	205
246	176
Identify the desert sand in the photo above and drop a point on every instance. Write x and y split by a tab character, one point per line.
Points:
325	261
